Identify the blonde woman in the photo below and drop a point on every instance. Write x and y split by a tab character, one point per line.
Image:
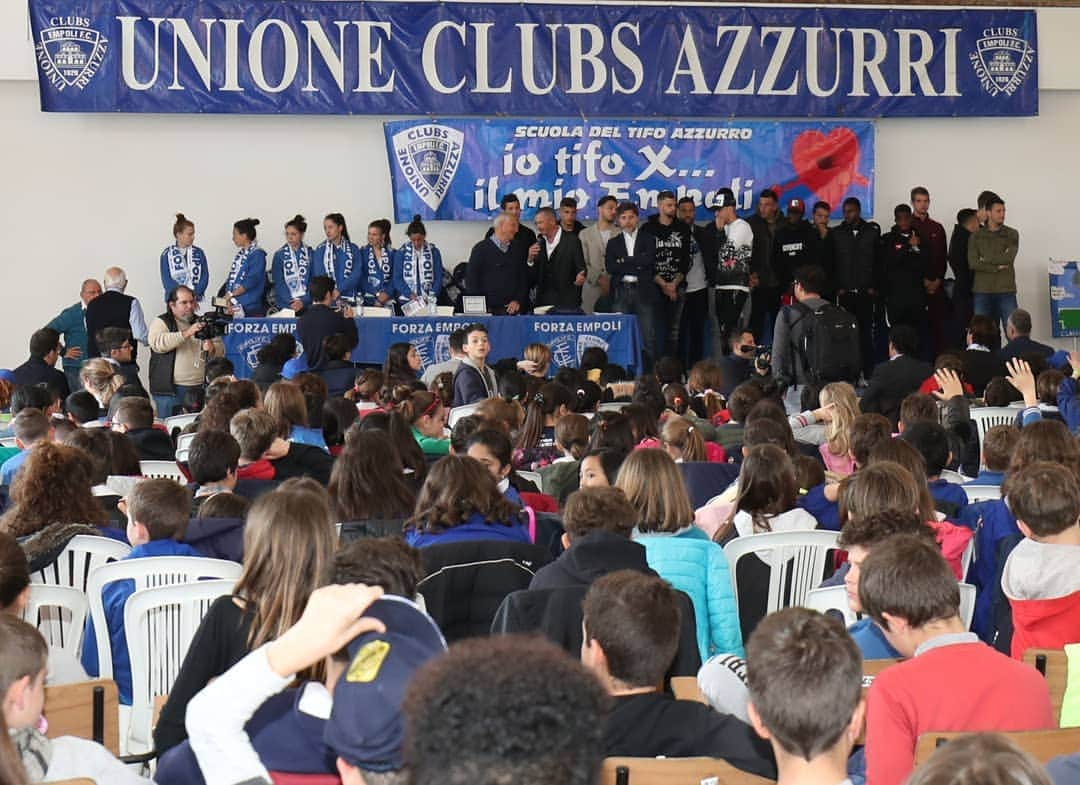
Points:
536	360
100	379
289	547
681	553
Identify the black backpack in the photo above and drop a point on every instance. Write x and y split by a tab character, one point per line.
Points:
829	346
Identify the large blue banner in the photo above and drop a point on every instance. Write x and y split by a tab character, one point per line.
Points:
568	337
459	169
273	56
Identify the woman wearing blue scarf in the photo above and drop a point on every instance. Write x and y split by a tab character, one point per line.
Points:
418	270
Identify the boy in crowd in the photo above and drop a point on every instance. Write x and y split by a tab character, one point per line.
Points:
598	523
857	537
631	634
31	427
951	681
1040	577
805	679
157	515
255	431
135	417
474	381
213	461
997	448
742	400
932	442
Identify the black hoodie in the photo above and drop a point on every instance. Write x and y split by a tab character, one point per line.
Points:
672	247
590	557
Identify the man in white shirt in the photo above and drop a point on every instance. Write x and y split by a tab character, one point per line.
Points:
729	248
594	243
694	325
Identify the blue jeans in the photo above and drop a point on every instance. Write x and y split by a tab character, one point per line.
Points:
996	306
626	298
72	374
166	405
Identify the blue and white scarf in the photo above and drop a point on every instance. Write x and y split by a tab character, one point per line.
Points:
182	267
329	253
295	270
238	264
420	277
378	268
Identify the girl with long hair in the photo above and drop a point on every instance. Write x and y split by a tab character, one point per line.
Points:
368	481
100	378
426	414
418	267
535	445
767	495
681	553
338	257
402	366
460	501
288	553
53	486
377	261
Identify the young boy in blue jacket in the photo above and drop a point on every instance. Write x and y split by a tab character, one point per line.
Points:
157	513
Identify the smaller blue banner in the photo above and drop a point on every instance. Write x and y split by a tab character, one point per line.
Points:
458	169
568	337
1065	299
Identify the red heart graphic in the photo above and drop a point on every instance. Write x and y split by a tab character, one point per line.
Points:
827	165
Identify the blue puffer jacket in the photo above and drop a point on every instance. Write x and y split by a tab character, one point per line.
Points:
692	563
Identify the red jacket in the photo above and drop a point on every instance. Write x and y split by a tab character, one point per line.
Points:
261	469
952	540
930	386
1045	624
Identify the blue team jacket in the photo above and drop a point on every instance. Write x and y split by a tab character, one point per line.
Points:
282	295
403	287
376	280
349	286
252	277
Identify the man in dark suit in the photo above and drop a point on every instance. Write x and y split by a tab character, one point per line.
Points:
39	369
900	376
320	321
1018	331
557	264
498	268
981	362
630	260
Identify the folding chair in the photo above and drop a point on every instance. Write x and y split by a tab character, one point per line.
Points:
159	624
162	470
534	478
685	688
8	441
675	771
183	446
1054	666
87	710
1042	745
59	613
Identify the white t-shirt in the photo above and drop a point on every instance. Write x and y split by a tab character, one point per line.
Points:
740	233
695	276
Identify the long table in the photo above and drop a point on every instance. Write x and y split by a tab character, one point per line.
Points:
568	337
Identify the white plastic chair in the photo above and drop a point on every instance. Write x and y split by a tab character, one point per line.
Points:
82	556
148	572
831	598
8	441
796	561
180	421
612	406
967	604
59	613
982	493
159	624
183	446
534	477
986	417
966	557
165	470
460	411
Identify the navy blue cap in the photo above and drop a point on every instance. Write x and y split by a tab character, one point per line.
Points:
366	728
7	375
724	197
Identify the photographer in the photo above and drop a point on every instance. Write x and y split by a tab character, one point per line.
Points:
178	351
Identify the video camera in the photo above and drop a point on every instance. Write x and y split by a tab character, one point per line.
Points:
215	322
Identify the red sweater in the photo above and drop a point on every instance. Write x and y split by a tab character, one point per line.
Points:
958	687
1045	624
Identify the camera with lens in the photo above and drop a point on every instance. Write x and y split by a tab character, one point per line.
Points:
215	322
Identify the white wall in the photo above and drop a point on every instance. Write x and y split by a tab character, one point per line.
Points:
81	192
